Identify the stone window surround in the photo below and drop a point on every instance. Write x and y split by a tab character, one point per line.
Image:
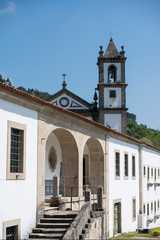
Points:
117	177
148	209
134	177
151	206
16	176
148	173
144	209
133	218
12	223
144	171
155	174
126	177
152	172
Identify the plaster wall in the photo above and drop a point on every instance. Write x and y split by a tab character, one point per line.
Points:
113	120
151	193
18	197
112	102
122	189
118	66
53	141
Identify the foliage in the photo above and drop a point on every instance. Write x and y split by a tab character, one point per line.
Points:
6	81
36	93
141	132
156	233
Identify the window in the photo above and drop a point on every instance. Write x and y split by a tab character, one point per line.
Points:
112	74
134	209
155	174
144	209
144	171
133	167
147	209
152	172
155	206
158	173
151	206
16	150
158	204
126	165
148	173
11	233
117	165
112	93
12	229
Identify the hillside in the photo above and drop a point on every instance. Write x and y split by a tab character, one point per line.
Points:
139	131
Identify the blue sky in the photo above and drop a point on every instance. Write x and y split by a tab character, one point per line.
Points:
42	39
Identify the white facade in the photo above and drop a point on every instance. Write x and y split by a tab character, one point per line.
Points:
18	197
112	102
151	188
113	120
123	189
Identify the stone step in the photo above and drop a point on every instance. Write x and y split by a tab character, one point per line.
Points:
47	204
61	214
53	225
48	208
56	220
49	230
46	236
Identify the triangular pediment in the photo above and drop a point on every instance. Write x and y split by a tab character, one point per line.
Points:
69	100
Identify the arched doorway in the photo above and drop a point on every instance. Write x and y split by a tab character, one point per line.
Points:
93	165
62	161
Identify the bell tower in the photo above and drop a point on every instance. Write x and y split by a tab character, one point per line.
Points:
112	87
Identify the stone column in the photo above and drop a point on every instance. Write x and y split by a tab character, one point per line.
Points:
100	198
55	186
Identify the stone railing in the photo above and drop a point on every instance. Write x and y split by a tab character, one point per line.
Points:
79	223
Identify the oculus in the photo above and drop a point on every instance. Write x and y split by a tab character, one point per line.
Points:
64	102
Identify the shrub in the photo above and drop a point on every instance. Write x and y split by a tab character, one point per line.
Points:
156	233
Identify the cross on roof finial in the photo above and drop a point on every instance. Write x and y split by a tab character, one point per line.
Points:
64	84
111	34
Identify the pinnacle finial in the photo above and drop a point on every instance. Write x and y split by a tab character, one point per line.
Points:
64	84
101	51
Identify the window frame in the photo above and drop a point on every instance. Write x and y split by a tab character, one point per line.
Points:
126	176
133	209
12	223
117	177
16	175
134	176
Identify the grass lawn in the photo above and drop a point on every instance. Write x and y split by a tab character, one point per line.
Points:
135	235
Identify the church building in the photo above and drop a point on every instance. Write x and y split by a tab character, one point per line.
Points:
109	107
51	156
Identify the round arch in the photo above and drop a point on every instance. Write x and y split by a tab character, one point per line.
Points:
66	152
93	164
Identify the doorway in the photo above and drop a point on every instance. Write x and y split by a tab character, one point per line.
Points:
117	217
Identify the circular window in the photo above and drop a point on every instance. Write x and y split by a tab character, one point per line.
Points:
52	159
64	102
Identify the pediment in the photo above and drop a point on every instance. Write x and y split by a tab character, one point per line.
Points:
69	100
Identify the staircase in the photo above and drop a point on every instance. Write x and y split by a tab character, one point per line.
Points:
53	225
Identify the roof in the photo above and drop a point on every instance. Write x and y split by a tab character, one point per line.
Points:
111	50
20	93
